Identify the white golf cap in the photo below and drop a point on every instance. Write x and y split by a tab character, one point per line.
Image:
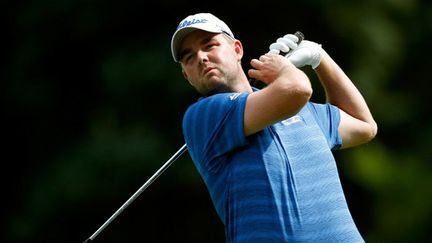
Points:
203	21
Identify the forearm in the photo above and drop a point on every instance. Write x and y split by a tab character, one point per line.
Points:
340	91
287	91
356	125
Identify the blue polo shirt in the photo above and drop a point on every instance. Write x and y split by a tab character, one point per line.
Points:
278	185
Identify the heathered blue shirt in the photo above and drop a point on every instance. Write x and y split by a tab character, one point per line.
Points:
278	185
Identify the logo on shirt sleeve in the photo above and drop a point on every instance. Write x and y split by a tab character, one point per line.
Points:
234	96
292	120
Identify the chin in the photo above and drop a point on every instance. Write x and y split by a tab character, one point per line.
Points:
217	89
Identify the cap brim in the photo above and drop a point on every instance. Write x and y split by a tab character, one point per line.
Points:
180	34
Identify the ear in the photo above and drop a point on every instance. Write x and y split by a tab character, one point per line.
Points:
238	48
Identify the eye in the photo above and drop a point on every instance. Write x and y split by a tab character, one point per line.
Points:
211	44
188	57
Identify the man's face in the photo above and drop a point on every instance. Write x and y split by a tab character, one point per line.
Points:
211	62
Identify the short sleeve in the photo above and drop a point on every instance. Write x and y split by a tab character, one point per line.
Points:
213	127
328	118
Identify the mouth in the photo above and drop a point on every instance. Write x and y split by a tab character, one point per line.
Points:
207	70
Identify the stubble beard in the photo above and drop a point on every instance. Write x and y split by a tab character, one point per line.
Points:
219	84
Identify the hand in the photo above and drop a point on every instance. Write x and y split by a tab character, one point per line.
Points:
307	53
284	44
269	67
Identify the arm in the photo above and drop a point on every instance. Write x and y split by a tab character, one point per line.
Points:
357	125
287	91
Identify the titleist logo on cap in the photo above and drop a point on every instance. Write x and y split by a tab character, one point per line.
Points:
191	22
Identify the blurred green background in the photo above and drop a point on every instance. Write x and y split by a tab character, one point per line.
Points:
93	105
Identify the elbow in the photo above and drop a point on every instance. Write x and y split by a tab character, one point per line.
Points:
307	91
295	91
303	90
373	131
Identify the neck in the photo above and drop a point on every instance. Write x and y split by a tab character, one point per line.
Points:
242	84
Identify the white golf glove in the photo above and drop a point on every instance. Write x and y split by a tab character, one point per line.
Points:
306	53
284	44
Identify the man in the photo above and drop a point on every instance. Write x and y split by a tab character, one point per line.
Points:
265	155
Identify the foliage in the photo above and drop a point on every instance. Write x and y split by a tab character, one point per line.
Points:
94	105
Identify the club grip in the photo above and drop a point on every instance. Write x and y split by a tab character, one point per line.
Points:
300	36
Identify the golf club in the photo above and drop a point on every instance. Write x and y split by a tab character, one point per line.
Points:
137	193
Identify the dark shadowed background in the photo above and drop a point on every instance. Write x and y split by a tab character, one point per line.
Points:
93	105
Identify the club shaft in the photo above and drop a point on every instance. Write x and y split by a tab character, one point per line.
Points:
140	190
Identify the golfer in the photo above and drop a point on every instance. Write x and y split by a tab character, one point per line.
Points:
266	155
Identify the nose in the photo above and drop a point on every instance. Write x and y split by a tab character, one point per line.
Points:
202	56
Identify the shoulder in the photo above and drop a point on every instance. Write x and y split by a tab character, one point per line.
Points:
321	111
217	103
